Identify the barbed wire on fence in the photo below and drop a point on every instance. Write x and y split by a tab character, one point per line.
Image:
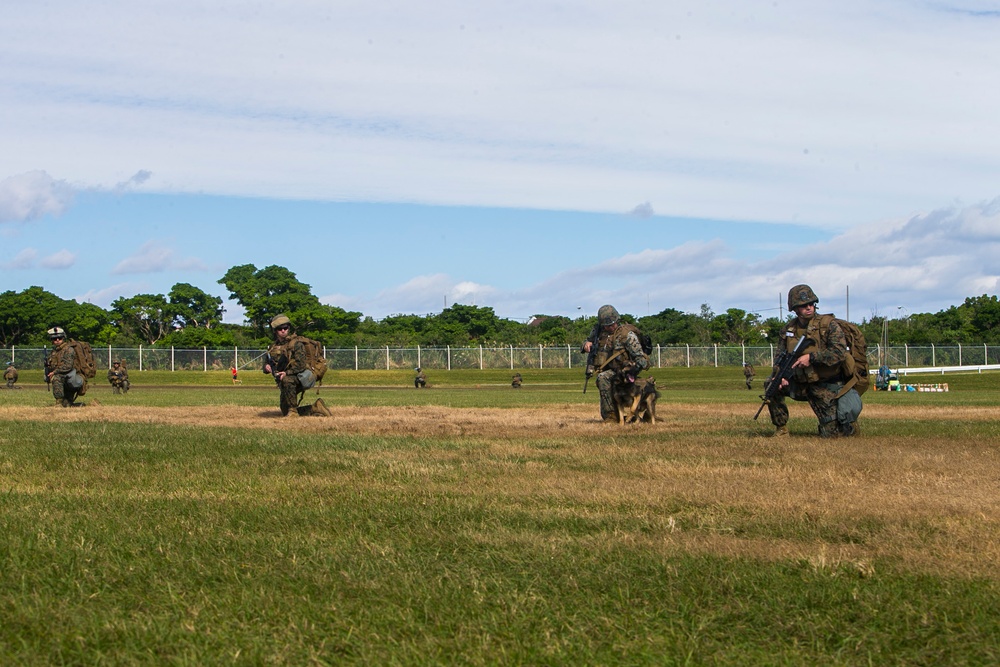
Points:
493	358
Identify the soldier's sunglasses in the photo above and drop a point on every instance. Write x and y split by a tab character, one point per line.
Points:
283	327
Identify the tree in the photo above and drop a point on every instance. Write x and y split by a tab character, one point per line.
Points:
192	307
274	289
145	316
736	326
26	316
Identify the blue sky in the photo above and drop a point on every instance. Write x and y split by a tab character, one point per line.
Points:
535	157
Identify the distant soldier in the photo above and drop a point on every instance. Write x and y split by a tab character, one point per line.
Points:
420	381
118	377
62	375
287	361
748	373
10	375
515	381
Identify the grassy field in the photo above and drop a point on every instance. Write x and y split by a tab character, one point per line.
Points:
187	523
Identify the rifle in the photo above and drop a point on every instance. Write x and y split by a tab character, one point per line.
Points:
277	365
45	363
782	371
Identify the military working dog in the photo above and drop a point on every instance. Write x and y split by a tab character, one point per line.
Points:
635	399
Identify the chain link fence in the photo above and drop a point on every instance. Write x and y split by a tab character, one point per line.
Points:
447	358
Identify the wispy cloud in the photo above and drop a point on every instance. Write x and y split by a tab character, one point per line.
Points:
25	259
32	195
154	257
63	259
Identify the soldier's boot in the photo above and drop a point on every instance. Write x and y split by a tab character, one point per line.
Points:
829	430
781	432
65	402
319	409
850	430
609	414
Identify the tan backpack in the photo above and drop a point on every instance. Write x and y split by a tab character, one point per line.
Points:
315	360
83	359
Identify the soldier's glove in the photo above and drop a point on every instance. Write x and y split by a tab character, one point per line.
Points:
590	370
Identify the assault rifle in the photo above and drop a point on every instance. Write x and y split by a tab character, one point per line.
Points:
277	365
45	363
782	371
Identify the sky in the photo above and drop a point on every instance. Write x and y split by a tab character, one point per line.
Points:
541	157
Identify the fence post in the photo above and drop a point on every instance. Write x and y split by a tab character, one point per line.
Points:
743	346
933	356
959	354
771	345
512	357
480	356
688	347
449	357
906	355
659	364
236	356
715	347
569	357
540	364
355	357
172	369
418	357
386	357
204	358
140	356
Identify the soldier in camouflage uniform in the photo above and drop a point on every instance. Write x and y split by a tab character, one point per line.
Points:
287	361
62	376
620	353
819	374
118	377
10	375
420	379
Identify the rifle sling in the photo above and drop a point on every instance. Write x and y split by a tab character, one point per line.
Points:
609	360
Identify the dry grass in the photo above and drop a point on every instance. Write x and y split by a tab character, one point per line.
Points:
706	479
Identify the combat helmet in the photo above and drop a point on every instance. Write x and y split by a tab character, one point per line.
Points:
607	316
801	295
280	319
56	332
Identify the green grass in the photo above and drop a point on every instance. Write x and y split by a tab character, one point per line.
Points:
150	544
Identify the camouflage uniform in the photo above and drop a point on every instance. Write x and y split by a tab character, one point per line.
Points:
623	341
10	375
118	377
515	381
822	380
748	374
420	380
289	356
61	365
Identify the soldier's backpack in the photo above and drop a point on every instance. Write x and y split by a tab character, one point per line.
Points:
858	348
644	340
315	360
83	360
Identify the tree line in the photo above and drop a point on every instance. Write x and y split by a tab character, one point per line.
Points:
188	317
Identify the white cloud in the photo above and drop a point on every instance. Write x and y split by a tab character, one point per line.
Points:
104	297
643	210
154	257
935	260
25	259
819	114
62	259
32	195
